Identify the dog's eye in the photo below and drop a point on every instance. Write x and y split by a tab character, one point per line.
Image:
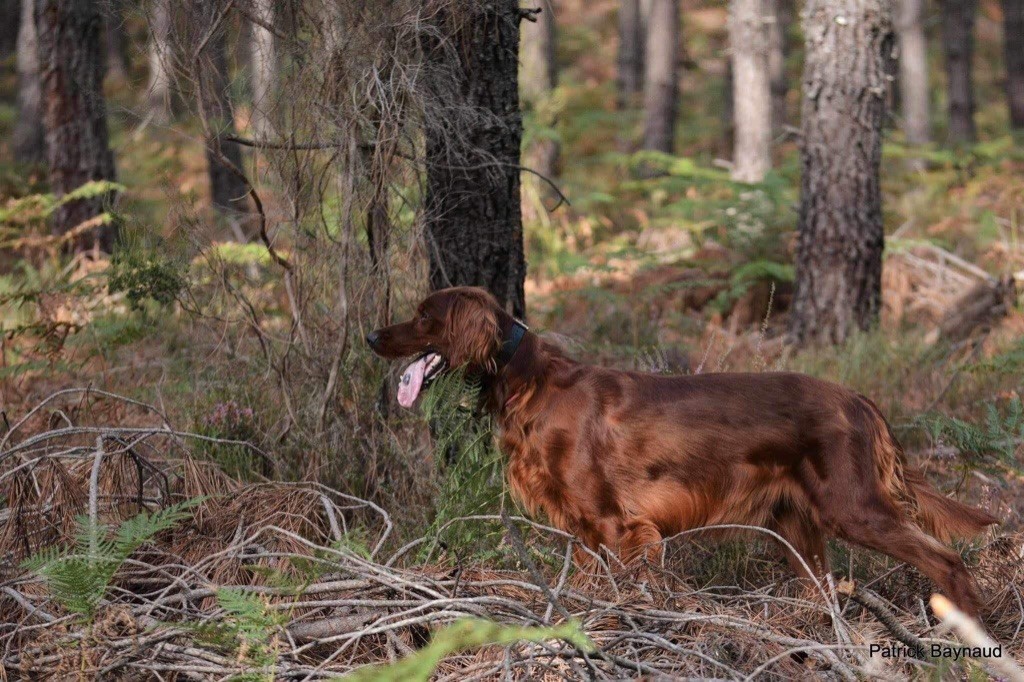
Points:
424	317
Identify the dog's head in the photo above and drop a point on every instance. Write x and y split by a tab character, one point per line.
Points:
457	327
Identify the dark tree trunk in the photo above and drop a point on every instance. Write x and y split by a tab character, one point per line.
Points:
228	191
661	83
473	223
958	42
29	139
9	9
72	62
631	52
1013	42
839	252
538	79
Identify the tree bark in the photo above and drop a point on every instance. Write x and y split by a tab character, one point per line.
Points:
913	71
158	92
263	58
780	13
661	76
630	59
958	42
473	222
1013	44
72	63
228	191
839	252
10	28
751	84
29	140
538	79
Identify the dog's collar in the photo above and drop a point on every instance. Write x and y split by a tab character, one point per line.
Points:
510	344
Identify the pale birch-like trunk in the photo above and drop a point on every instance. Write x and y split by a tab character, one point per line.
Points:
751	87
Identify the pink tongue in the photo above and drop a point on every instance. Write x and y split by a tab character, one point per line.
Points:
412	382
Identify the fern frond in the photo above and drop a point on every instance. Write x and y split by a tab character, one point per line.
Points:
78	577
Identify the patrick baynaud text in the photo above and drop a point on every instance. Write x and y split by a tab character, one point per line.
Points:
935	650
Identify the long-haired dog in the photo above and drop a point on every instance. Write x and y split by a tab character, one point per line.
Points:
624	459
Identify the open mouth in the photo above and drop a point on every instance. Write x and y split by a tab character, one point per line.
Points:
418	376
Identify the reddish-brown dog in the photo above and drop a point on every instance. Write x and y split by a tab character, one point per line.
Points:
623	459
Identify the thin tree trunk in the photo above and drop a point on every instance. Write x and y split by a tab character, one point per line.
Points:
839	251
752	97
958	41
913	71
473	222
117	45
781	15
264	68
1013	43
10	28
630	60
228	191
661	82
158	95
29	139
538	79
728	140
72	62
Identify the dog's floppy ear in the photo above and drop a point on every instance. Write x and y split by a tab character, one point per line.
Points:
473	334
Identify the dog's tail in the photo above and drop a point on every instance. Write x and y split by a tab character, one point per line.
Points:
940	516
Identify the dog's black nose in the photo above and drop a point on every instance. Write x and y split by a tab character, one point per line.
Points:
372	338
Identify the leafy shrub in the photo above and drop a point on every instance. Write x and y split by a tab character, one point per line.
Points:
146	275
473	468
235	425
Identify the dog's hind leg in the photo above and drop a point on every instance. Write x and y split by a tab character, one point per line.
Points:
796	527
878	525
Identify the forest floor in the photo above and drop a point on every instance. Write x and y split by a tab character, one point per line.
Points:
323	535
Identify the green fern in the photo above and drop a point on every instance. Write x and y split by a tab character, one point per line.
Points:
467	634
247	630
78	577
998	437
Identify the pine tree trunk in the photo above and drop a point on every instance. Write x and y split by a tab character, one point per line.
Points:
630	60
9	9
538	78
473	222
158	95
958	41
849	46
752	97
1013	43
29	139
780	13
72	62
913	61
661	81
264	67
227	190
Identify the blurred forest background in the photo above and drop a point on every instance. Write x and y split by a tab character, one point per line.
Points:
206	205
